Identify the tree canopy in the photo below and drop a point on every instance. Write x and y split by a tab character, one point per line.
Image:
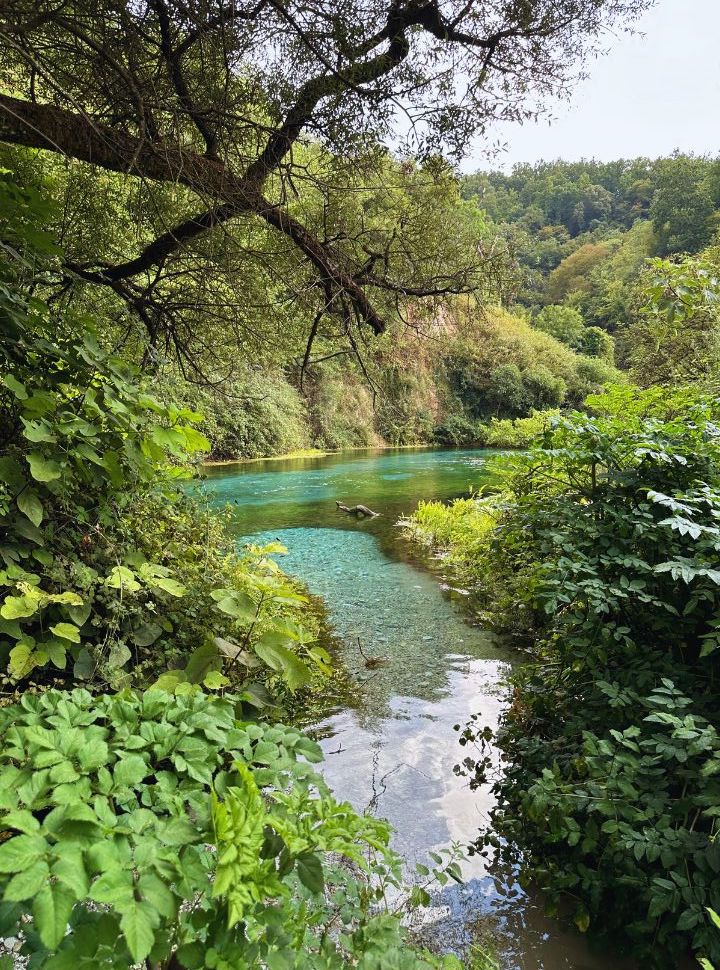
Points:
223	101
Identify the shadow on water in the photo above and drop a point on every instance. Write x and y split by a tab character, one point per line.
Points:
391	748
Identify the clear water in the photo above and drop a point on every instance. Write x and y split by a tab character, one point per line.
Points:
391	748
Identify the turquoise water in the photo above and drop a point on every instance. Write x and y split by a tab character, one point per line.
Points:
391	747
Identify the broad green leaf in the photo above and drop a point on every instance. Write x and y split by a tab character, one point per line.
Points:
138	925
239	606
70	869
11	473
56	652
114	887
52	907
215	680
130	770
38	431
30	505
43	469
118	656
122	578
310	871
17	607
79	613
154	891
24	659
84	666
146	634
170	586
272	649
14	385
28	882
201	662
66	631
21	852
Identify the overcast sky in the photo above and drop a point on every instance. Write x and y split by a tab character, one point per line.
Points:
649	95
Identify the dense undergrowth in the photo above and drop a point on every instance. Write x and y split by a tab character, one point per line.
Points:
599	555
147	817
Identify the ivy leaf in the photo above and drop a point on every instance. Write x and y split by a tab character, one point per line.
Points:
51	910
31	506
43	469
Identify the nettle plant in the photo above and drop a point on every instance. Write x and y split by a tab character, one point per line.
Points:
161	831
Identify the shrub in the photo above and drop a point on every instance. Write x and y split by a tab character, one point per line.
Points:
161	830
605	553
253	416
562	322
520	433
109	571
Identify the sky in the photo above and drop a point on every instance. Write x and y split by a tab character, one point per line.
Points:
648	96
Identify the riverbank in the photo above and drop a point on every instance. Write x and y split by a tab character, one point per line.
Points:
497	434
314	453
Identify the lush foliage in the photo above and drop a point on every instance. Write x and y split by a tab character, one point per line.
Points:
163	829
675	337
602	552
89	459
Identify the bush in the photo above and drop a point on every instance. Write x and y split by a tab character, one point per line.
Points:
562	322
604	554
162	829
256	416
459	431
109	571
520	433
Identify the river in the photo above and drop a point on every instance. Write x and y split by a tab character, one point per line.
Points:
391	747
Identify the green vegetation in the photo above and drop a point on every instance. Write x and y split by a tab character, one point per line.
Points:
208	250
162	826
165	829
600	553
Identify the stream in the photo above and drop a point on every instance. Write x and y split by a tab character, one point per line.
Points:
391	747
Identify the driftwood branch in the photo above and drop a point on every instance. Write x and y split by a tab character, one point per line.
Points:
357	510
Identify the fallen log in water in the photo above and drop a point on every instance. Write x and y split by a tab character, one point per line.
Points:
356	510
